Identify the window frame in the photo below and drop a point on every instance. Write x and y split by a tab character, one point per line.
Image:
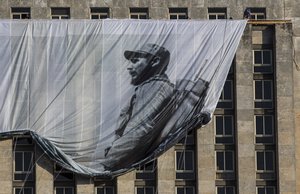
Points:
183	151
222	99
225	186
23	144
62	172
178	11
139	11
223	125
265	163
188	139
217	12
257	11
31	165
22	190
224	103
19	141
262	64
104	187
224	161
142	168
26	11
64	187
60	16
263	99
99	12
184	187
265	188
144	188
56	170
264	130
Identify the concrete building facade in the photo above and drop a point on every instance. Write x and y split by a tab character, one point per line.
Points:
252	144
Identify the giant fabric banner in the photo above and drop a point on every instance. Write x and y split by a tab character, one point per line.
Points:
103	97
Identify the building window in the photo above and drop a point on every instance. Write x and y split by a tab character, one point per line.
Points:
23	165
257	13
64	190
263	94
139	13
224	129
265	161
188	140
217	13
264	125
184	160
63	180
144	190
105	190
62	174
262	60
148	167
225	161
225	190
99	12
178	13
60	13
226	98
147	171
264	128
23	141
185	164
23	190
185	190
20	13
265	190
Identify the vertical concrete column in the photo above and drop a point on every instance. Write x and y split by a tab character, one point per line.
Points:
119	9
41	11
84	185
166	173
80	10
160	12
246	174
125	183
285	114
206	168
296	73
4	10
44	173
6	167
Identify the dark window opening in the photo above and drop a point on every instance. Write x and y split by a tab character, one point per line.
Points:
99	12
178	13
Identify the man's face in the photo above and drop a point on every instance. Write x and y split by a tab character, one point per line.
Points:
137	69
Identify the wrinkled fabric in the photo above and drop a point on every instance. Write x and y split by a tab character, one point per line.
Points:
141	127
66	84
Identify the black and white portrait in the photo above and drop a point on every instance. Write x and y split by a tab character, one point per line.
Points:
101	98
157	106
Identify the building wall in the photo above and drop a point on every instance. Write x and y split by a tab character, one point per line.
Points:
158	8
244	116
286	90
286	129
6	168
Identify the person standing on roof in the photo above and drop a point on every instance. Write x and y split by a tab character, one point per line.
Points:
247	13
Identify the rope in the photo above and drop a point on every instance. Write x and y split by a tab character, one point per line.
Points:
30	170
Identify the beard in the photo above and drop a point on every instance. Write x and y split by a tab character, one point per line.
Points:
138	78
